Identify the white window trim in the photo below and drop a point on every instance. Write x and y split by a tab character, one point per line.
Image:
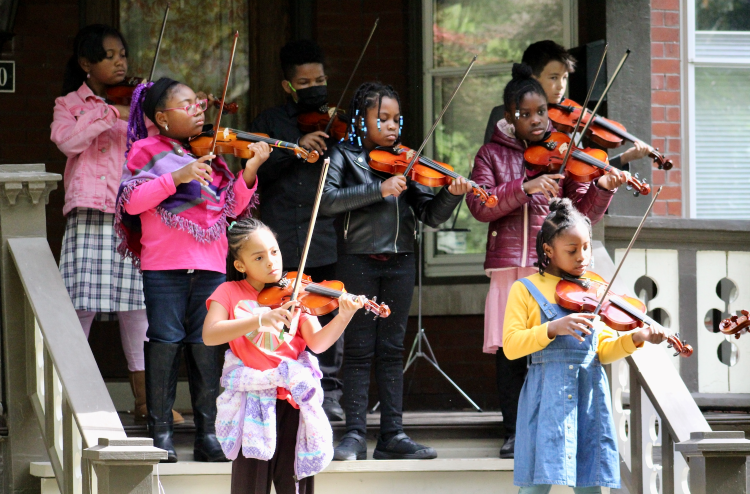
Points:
463	264
687	74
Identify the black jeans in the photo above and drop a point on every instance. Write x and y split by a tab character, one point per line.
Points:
330	360
392	281
511	375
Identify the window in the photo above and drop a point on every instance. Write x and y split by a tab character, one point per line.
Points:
454	30
718	71
195	49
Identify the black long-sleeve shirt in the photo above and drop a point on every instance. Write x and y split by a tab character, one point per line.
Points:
287	187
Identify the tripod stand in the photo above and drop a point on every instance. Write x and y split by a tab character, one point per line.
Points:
421	345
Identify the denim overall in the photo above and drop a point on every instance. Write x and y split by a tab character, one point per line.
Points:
565	433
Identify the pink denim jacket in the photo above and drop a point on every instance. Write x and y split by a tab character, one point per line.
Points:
90	133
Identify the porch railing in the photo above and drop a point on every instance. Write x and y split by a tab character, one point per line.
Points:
50	372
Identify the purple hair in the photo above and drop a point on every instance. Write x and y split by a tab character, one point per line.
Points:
136	123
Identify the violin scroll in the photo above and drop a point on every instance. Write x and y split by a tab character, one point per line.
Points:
680	347
735	325
641	186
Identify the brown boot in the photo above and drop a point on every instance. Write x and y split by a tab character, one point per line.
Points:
138	385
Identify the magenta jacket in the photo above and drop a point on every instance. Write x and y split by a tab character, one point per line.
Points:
515	221
90	133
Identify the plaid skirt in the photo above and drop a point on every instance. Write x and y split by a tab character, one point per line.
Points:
98	279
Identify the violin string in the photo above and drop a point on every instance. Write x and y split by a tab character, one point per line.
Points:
583	109
627	251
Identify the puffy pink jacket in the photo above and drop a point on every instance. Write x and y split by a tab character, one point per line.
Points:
90	133
515	221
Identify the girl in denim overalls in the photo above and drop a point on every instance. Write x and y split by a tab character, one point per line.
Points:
565	434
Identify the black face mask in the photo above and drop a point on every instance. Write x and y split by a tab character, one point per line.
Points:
313	97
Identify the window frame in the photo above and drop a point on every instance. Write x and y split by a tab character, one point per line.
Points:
690	61
447	265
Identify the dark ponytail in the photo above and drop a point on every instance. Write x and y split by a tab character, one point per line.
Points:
520	85
88	44
562	215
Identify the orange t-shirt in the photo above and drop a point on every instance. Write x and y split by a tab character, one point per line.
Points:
259	349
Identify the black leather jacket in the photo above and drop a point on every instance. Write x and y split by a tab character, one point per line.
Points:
367	223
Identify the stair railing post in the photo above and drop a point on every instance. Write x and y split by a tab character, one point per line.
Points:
636	432
124	466
718	462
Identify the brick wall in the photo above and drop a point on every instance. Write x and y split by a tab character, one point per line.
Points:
44	38
666	102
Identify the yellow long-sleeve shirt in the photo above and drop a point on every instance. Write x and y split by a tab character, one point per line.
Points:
524	333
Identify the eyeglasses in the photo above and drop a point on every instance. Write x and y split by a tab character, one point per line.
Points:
201	104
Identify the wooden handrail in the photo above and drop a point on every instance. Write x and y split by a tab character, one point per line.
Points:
84	390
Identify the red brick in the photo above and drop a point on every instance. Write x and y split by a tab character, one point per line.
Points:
675	160
658	176
658	114
674	145
657	50
658	141
666	129
665	34
674	177
674	208
665	98
671	19
665	5
657	18
671	192
671	50
658	81
660	208
673	82
665	66
673	114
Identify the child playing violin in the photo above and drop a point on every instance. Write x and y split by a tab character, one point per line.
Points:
278	379
376	224
171	213
565	434
551	64
514	223
92	132
287	187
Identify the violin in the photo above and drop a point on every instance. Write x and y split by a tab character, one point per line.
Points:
316	299
395	160
619	312
735	325
122	94
584	165
234	142
321	120
602	131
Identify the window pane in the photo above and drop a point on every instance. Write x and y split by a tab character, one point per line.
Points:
457	140
196	47
722	142
722	15
500	30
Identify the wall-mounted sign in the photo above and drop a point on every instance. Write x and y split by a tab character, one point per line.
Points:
7	76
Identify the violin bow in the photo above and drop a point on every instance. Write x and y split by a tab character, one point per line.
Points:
437	120
354	71
158	44
224	94
593	112
627	251
303	259
585	104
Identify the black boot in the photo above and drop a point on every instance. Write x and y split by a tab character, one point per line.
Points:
162	363
204	372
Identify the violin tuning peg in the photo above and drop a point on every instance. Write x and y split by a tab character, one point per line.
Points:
669	346
676	354
637	176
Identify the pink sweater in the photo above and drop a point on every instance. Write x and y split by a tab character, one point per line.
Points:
167	248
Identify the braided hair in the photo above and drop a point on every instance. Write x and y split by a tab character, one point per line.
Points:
562	215
147	98
239	232
88	44
369	95
520	85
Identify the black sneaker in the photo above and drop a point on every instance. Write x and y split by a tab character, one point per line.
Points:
333	410
401	447
508	448
352	447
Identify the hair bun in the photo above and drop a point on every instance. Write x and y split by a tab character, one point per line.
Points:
564	205
521	71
